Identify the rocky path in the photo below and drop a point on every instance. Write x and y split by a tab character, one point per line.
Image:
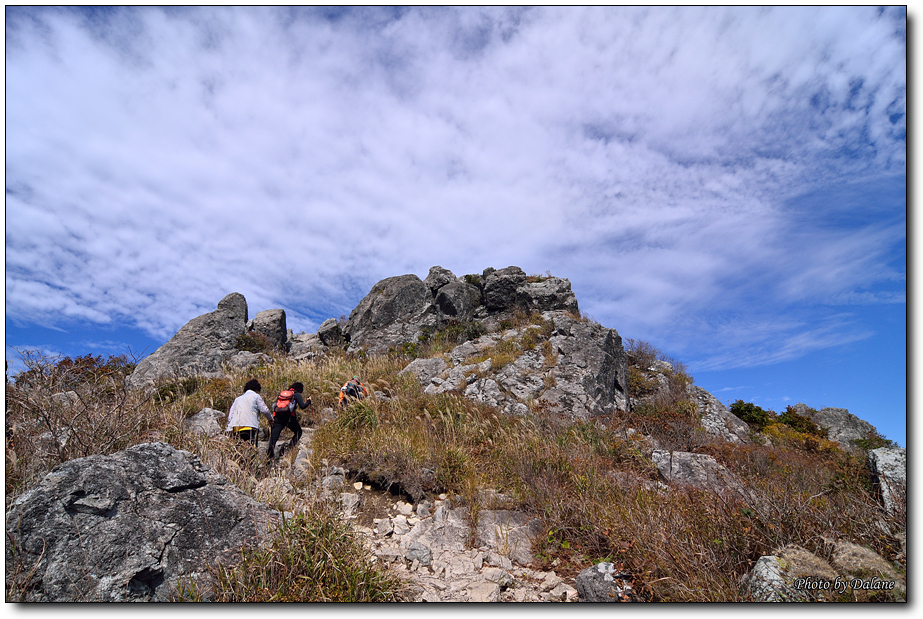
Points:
431	544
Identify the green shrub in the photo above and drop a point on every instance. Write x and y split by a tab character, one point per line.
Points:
872	440
459	332
752	414
800	423
639	385
474	280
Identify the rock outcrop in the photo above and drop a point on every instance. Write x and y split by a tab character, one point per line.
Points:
583	374
331	334
692	469
841	425
271	324
401	309
500	288
396	311
206	421
717	420
888	466
591	374
199	348
131	526
458	301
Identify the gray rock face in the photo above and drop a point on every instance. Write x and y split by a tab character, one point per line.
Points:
395	311
697	470
510	532
523	377
206	421
271	323
591	374
458	300
243	359
330	333
306	346
500	288
766	582
773	577
888	466
131	526
842	426
604	583
717	420
200	347
553	293
425	369
485	390
437	278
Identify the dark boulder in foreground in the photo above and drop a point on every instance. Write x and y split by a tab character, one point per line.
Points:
131	526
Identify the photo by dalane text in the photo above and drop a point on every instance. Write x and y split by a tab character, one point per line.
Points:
840	585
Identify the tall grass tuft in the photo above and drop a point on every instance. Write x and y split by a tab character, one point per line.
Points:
313	557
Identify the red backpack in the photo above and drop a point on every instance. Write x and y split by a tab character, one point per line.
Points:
284	403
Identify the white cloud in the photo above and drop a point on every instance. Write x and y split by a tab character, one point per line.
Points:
157	160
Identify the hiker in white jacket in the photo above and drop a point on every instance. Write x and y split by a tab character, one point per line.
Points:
243	418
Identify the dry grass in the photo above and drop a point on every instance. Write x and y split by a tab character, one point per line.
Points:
312	557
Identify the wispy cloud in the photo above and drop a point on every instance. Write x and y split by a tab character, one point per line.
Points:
671	162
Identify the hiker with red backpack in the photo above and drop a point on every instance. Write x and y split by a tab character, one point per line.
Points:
353	389
244	416
283	412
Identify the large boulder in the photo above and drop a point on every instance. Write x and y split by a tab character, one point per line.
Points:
591	373
553	293
271	324
458	300
331	334
841	425
199	348
131	526
500	288
425	369
437	278
793	573
306	346
888	466
397	310
717	420
692	469
206	421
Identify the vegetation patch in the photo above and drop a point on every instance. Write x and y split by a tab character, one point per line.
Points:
313	557
256	342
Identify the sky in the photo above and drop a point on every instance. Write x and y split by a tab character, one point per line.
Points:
726	183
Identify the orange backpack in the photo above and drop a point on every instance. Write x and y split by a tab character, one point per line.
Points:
285	402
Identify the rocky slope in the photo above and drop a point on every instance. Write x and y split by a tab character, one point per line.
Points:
521	346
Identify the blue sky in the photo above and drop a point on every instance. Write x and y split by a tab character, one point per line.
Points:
728	184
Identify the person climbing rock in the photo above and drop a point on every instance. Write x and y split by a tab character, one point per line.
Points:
353	389
285	416
243	418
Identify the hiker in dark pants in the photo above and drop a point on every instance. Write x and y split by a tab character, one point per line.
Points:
284	417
